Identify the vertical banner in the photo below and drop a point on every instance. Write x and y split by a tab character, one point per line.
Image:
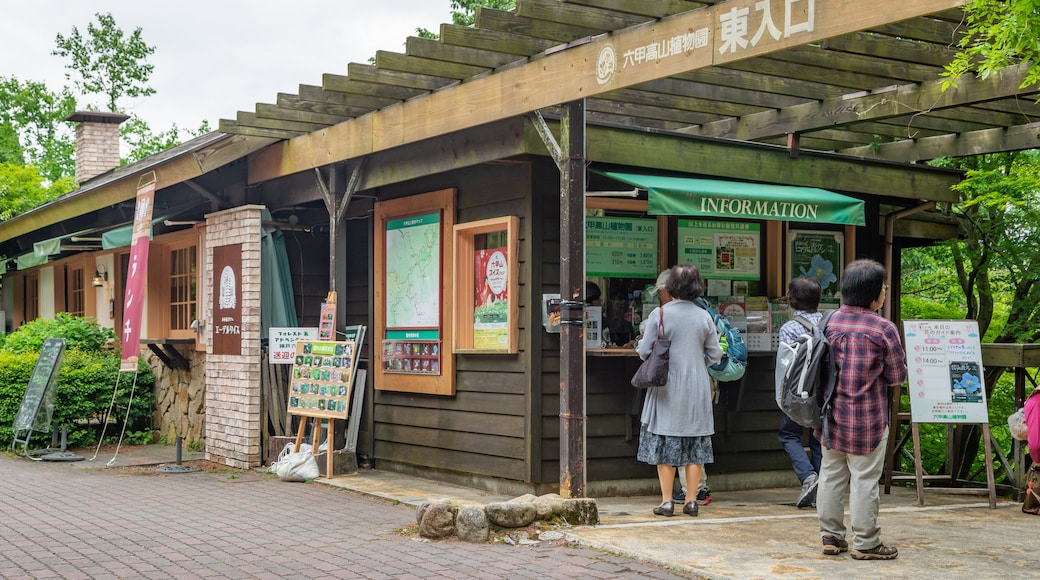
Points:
227	299
137	277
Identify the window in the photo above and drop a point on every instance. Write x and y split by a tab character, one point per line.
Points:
76	292
183	287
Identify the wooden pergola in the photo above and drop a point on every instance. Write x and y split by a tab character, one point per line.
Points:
857	78
854	78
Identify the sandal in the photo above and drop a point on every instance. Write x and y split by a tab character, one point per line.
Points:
666	509
833	546
878	552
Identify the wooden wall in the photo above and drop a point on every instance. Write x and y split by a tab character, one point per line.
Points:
484	429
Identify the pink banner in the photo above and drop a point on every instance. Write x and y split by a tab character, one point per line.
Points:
137	277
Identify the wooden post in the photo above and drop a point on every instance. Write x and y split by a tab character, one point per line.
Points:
572	293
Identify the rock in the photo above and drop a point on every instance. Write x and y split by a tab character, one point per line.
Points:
527	497
549	536
471	524
548	505
580	511
511	514
438	520
421	510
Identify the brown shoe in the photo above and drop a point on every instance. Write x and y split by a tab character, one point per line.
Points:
834	546
878	552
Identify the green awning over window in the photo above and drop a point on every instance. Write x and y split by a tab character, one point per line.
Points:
670	195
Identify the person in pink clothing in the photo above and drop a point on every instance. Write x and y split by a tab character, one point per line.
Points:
1032	413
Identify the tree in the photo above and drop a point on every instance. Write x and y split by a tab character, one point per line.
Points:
32	127
464	13
1000	33
143	142
23	188
108	62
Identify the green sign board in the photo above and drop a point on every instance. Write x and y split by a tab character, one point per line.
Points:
617	247
721	250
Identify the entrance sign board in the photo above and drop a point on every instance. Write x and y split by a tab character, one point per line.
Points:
38	403
944	358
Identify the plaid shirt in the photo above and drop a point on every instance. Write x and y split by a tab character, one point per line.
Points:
870	359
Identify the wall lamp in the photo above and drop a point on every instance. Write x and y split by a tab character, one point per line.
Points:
100	278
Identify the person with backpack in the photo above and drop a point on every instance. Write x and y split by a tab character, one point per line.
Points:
870	362
803	295
677	421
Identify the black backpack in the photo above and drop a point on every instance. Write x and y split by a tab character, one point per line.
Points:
805	375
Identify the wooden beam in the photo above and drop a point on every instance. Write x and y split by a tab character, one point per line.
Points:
1016	138
579	16
657	9
381	90
418	68
895	49
894	103
296	103
483	59
275	112
508	21
421	82
504	42
576	72
248	129
334	96
770	164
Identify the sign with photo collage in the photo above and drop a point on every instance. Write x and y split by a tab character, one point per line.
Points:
322	377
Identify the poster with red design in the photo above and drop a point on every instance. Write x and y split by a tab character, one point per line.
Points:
136	278
491	297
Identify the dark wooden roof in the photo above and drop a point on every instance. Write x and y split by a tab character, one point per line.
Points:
872	93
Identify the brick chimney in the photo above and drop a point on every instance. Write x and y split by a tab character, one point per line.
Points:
97	143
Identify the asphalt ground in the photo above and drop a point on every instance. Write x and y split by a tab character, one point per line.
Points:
88	520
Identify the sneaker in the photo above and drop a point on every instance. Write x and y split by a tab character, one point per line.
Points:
808	495
834	546
679	496
704	496
878	552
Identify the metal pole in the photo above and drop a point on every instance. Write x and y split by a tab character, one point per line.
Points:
572	293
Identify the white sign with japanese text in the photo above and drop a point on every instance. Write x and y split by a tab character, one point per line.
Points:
944	358
281	349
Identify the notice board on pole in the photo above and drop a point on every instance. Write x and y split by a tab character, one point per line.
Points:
944	359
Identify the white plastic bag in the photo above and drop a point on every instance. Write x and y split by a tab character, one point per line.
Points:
1017	423
295	466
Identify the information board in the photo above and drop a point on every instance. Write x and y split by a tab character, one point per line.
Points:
721	250
38	403
281	344
617	247
944	358
322	378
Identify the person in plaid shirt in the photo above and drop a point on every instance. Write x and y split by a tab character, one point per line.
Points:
870	361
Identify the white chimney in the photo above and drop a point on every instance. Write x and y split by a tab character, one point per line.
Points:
97	143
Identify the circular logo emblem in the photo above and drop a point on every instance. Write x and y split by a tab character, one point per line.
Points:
606	64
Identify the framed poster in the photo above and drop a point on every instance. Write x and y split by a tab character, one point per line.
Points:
818	254
944	359
620	247
721	250
486	303
281	342
414	292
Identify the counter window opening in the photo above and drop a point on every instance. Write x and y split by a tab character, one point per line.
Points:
485	306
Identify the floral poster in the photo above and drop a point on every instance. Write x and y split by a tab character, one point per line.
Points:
818	255
491	297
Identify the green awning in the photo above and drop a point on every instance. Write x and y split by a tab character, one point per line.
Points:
670	195
122	236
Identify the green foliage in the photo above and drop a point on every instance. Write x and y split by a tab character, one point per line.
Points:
107	62
22	188
33	128
1000	33
464	13
143	142
79	333
85	384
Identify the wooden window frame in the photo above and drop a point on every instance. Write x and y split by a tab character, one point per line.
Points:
442	202
160	263
463	304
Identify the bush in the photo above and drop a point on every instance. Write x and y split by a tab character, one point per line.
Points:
85	384
79	333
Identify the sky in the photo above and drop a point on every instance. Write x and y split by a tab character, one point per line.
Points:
215	58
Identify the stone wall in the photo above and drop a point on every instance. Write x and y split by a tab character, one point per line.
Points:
232	398
180	398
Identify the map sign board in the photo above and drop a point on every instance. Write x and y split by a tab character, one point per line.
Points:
413	272
944	358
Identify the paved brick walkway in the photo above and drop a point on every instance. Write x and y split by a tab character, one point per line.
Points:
57	521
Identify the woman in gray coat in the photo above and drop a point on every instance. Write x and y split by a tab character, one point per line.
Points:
677	421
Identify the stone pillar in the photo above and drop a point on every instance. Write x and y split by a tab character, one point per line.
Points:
233	419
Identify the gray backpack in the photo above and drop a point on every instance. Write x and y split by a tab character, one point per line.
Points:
805	375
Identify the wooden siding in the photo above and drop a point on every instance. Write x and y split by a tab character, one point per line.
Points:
485	428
